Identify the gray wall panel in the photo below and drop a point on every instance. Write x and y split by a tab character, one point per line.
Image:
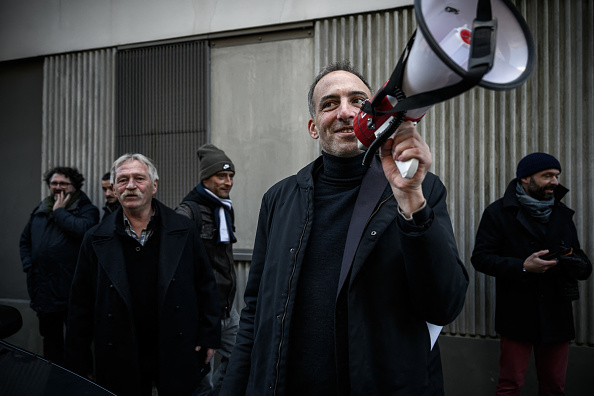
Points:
78	103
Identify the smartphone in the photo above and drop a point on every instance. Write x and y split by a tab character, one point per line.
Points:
557	254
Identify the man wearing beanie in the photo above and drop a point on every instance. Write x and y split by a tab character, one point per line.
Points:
208	204
527	240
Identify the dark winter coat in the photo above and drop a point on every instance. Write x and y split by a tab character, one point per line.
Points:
401	277
101	311
220	254
529	307
49	248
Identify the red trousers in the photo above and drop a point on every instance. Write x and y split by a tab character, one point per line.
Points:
551	366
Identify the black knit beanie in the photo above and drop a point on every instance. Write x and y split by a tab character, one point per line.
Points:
536	162
213	160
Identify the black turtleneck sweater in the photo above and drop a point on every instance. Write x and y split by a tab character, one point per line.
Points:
312	365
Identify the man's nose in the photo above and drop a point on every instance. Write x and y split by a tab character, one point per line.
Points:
347	111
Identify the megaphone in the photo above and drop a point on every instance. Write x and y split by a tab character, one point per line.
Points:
458	44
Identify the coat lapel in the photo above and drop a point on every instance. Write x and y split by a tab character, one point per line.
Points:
110	256
174	236
372	187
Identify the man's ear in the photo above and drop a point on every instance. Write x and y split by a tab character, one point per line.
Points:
155	186
313	130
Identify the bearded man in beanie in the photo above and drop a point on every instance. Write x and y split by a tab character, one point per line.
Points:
208	204
49	248
527	240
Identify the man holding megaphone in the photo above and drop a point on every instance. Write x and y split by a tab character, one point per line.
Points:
354	268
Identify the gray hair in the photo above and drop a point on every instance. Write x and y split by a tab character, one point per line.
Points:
152	170
343	65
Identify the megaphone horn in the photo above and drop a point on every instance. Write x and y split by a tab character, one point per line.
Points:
444	58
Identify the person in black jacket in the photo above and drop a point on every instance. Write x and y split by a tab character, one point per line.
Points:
143	294
353	269
49	247
527	240
208	204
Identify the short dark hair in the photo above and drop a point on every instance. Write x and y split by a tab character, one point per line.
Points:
343	65
106	176
72	173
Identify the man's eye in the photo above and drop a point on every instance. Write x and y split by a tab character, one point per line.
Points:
359	101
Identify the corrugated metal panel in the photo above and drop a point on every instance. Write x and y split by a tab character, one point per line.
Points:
162	111
78	97
242	269
478	138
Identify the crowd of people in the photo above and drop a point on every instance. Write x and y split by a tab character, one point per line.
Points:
354	271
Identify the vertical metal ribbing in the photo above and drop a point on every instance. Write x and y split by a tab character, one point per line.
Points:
78	117
162	111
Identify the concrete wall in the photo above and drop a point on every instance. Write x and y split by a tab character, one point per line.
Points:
20	160
256	120
41	27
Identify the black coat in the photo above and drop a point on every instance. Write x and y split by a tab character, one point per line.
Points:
49	249
529	307
220	254
400	279
101	311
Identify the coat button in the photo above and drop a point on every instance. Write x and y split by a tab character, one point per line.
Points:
138	248
176	308
109	316
111	286
109	344
374	233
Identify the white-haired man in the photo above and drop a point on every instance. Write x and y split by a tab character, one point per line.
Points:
144	293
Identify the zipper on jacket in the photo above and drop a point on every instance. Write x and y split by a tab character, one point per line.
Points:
291	280
378	208
280	345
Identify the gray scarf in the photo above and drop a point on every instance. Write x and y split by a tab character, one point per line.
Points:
539	210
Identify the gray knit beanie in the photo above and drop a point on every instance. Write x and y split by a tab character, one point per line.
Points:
213	160
536	162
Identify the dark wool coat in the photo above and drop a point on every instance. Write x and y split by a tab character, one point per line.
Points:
220	254
400	279
101	311
49	249
529	307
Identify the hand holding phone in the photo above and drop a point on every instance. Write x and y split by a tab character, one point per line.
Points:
557	254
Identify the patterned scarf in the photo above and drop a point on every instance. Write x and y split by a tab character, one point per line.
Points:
539	210
223	220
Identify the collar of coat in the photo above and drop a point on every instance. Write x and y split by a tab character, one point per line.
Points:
510	199
173	234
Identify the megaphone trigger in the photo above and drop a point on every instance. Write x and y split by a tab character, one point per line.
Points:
408	168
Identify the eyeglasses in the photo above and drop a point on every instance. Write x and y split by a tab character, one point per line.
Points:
61	184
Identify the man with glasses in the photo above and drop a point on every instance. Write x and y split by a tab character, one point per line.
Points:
49	249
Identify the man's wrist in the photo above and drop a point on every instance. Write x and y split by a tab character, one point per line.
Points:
409	216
